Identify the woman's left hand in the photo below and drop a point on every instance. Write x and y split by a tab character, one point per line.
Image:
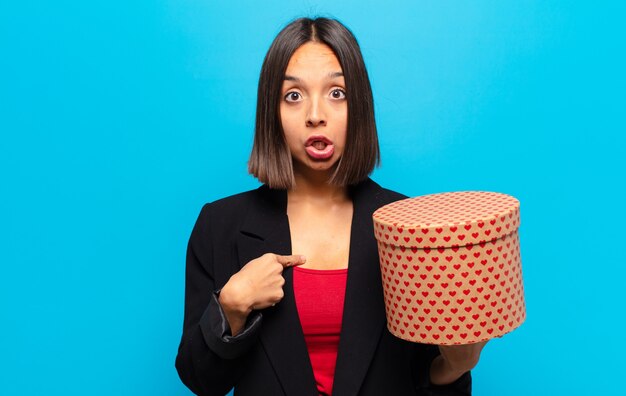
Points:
454	361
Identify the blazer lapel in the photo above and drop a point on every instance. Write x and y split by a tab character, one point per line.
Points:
266	230
364	311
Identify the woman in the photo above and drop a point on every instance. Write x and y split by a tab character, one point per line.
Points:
283	289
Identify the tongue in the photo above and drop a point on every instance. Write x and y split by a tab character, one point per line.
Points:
319	145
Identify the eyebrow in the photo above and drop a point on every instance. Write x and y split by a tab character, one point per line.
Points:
331	75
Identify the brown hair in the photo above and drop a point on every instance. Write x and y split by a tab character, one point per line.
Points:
270	160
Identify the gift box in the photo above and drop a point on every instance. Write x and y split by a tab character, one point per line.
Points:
450	266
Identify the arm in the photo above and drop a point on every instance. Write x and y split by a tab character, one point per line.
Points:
221	326
209	356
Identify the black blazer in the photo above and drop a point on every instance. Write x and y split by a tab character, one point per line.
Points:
269	357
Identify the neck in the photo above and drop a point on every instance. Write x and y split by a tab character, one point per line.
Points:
313	186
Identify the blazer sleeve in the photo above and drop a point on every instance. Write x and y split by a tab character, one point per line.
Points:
425	354
209	358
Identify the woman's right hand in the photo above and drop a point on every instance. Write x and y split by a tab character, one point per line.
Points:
258	285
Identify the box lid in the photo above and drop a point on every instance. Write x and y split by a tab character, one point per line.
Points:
447	219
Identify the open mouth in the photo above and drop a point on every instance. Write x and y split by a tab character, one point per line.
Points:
319	147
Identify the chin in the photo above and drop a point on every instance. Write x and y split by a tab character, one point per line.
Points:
319	169
319	166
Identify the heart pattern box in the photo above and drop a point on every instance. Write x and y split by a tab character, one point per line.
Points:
450	266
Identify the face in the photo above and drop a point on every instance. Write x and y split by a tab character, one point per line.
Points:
314	108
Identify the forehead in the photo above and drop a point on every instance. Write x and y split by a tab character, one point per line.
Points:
313	57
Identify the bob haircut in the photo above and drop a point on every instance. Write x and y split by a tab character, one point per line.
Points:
270	161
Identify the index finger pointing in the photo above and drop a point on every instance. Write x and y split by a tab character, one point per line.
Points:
289	261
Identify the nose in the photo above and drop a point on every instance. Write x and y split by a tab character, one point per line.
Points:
316	115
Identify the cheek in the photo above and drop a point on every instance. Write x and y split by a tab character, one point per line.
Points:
343	131
341	120
290	132
287	117
288	126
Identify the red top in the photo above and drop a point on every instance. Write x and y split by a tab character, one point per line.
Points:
319	298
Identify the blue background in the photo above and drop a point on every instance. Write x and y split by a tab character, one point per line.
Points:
118	120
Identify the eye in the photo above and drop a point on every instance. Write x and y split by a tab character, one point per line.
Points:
292	96
338	93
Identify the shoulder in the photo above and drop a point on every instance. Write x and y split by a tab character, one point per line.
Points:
375	194
249	208
232	207
233	202
391	196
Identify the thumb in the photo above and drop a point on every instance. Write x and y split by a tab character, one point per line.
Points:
290	261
